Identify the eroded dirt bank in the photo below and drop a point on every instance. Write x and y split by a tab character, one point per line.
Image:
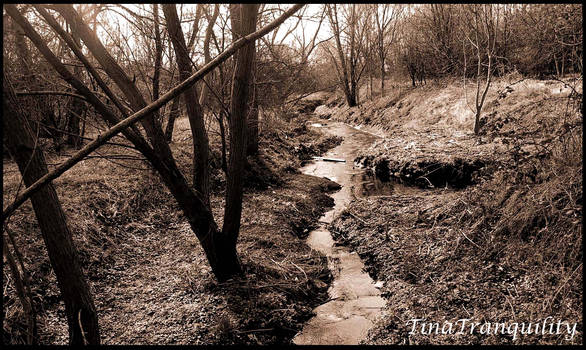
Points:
150	279
488	216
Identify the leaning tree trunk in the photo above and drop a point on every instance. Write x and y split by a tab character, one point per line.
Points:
201	174
151	124
79	305
193	203
76	109
42	104
158	56
219	250
197	213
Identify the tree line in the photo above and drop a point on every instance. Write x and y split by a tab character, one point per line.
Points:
429	41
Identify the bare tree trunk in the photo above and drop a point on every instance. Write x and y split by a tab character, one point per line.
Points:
76	107
173	114
151	124
158	53
489	50
194	208
371	86
252	124
206	50
201	174
243	19
219	250
79	305
353	98
382	79
195	27
223	138
344	79
477	122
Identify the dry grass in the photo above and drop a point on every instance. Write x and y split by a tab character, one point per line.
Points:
506	250
150	279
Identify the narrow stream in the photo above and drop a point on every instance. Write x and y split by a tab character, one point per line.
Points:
355	301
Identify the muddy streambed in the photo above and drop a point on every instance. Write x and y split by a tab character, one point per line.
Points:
355	302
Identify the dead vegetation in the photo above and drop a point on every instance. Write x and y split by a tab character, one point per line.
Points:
508	249
150	278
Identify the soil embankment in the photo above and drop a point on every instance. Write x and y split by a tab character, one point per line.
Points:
493	215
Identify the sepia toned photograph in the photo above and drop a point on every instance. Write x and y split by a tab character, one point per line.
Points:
292	174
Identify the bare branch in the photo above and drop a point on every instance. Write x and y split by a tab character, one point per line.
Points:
90	147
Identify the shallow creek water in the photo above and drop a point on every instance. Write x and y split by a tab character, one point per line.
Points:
355	302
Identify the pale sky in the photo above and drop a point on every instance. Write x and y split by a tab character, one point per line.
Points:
310	26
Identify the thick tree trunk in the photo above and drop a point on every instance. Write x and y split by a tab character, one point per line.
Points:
79	304
351	98
219	248
201	175
243	19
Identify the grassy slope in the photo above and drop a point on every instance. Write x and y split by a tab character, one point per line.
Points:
507	249
150	279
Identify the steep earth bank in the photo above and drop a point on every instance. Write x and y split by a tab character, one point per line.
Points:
494	233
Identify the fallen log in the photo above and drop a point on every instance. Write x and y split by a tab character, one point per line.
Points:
330	159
